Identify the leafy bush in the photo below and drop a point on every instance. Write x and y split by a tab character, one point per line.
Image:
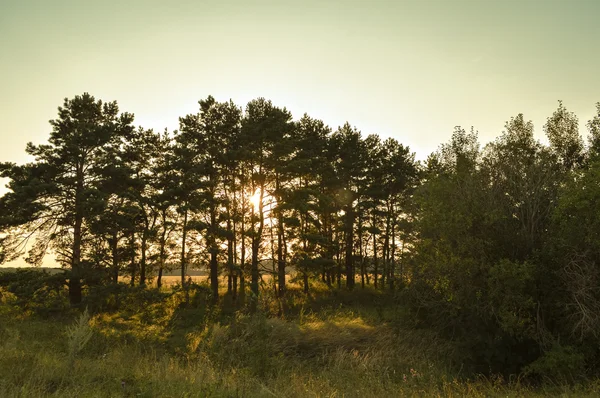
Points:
36	290
121	297
564	364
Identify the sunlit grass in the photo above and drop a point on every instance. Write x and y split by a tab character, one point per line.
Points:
329	344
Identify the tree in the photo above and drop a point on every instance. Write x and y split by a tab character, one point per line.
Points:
186	183
209	134
396	182
349	149
593	126
164	198
54	196
482	227
562	130
126	188
262	127
576	246
524	177
303	206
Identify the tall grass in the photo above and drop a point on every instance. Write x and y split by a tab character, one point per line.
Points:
330	344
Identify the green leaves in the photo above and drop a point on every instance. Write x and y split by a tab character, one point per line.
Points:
562	130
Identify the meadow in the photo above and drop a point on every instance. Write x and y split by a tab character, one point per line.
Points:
135	342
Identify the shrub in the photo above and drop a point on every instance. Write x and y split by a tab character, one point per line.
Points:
36	290
563	364
78	335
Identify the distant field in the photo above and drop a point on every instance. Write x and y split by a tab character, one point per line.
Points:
171	280
41	269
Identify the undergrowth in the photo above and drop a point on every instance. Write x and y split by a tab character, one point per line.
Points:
173	344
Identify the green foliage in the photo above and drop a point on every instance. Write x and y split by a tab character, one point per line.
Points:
563	364
562	130
121	296
35	290
511	301
476	272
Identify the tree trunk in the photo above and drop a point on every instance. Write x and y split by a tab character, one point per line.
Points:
375	261
360	251
305	282
161	258
115	257
159	278
256	240
230	256
242	292
329	250
212	246
132	265
184	237
234	282
349	246
280	258
393	259
143	259
362	273
280	245
75	279
339	266
232	242
386	246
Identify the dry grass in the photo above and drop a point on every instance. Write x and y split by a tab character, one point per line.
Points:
327	345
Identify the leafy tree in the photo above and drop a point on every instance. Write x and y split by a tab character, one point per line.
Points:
576	245
562	129
452	262
53	197
524	178
593	126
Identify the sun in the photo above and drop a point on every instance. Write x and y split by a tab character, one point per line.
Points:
255	200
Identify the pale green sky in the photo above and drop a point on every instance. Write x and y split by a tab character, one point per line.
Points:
408	69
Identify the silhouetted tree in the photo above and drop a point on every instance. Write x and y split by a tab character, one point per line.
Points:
53	197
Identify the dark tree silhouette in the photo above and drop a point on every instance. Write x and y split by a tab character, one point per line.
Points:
54	196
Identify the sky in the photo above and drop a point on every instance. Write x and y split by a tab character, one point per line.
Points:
406	69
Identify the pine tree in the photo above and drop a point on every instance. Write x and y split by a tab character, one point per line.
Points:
54	197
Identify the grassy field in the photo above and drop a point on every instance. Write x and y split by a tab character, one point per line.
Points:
169	344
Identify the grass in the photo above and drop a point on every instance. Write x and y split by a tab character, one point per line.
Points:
330	344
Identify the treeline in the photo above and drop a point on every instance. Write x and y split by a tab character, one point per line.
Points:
497	247
242	193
